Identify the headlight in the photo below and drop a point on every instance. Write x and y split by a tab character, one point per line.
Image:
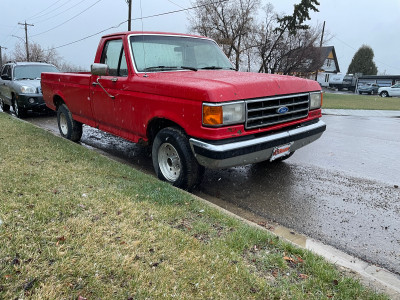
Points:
223	113
315	100
25	89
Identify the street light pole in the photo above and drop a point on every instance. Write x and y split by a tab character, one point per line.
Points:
26	38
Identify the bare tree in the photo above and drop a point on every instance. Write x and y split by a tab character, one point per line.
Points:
280	37
227	22
277	44
38	54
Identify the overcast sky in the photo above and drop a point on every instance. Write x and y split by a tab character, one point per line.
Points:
58	22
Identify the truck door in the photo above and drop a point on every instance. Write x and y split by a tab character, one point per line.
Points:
108	107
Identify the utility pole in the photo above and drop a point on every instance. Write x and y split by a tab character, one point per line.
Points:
1	56
129	14
320	45
26	38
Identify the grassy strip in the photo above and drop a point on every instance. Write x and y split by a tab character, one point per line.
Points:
354	101
76	224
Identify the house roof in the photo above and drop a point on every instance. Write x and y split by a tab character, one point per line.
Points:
329	52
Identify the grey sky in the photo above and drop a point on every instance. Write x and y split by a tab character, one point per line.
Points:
59	22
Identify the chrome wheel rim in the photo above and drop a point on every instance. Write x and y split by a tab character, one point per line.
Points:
63	124
16	109
169	162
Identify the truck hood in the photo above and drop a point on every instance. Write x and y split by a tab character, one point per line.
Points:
220	86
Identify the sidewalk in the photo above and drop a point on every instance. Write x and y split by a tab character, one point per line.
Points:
362	113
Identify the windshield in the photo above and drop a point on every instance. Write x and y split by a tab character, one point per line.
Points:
32	71
167	53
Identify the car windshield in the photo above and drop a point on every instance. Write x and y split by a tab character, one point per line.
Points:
32	71
152	53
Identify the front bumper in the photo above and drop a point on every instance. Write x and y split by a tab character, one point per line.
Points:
31	101
236	153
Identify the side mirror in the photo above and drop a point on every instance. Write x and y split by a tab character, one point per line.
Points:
99	69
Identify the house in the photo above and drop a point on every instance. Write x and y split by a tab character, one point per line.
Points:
329	66
320	62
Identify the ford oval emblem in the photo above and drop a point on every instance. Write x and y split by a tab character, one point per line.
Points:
282	110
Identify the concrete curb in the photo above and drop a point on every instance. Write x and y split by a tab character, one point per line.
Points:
362	113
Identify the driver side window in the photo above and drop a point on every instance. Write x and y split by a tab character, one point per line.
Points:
114	57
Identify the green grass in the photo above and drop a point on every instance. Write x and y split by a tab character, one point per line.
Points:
74	223
354	101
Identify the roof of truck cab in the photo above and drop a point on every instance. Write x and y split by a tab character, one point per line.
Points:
153	33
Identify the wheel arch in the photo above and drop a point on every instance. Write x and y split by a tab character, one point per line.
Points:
157	124
57	101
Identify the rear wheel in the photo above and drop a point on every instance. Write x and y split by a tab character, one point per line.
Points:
4	107
174	161
69	128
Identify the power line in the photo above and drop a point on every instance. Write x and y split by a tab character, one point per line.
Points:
54	16
35	16
136	19
68	19
377	60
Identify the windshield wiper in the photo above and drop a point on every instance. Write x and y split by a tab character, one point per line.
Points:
218	68
189	68
165	68
212	68
24	78
161	68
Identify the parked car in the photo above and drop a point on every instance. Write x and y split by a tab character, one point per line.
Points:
20	86
390	91
368	88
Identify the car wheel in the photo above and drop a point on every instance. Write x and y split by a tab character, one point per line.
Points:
19	111
69	128
384	94
174	161
4	107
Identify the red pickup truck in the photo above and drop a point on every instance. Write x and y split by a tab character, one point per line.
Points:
181	95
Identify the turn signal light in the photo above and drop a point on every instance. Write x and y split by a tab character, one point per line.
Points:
212	115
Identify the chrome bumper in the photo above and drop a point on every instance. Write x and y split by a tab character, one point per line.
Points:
255	150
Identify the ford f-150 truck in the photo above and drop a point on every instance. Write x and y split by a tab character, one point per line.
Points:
181	95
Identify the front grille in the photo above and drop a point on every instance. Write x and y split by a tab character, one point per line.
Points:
264	112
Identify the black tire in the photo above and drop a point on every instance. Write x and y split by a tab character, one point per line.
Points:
4	107
69	128
19	111
173	160
384	94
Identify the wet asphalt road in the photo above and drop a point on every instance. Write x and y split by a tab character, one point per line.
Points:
341	190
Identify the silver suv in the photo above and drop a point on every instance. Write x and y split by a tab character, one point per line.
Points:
20	86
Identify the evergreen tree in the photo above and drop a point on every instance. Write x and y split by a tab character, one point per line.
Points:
362	62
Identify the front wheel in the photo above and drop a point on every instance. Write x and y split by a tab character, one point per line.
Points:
384	94
174	161
4	107
69	128
19	111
